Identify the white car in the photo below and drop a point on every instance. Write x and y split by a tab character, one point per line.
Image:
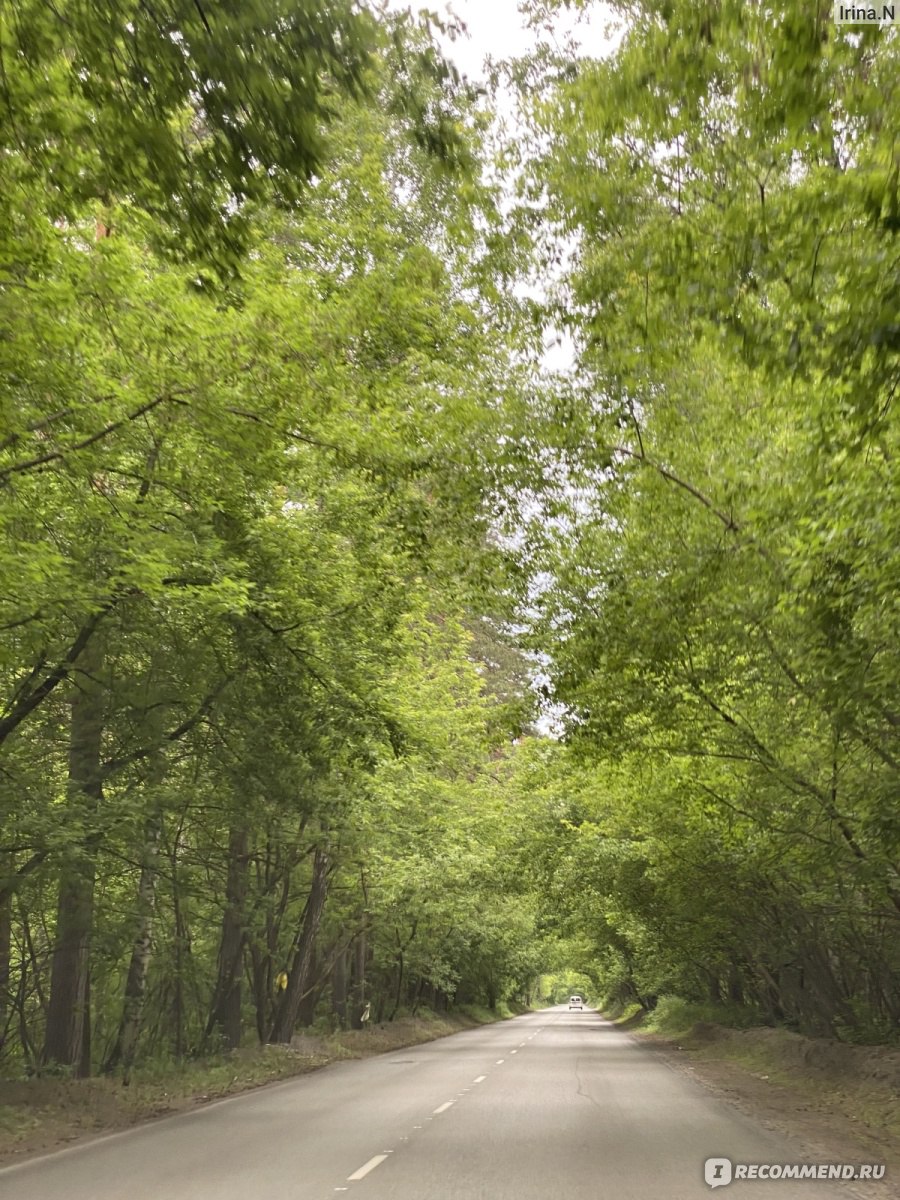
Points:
576	1002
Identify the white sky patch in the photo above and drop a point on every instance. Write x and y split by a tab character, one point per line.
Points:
497	29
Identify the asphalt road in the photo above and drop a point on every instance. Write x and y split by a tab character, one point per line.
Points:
546	1106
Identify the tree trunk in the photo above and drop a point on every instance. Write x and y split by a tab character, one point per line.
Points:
398	991
491	992
265	947
735	984
67	1039
770	995
21	1006
85	1062
181	949
299	977
416	998
359	981
5	954
259	969
306	1013
339	987
135	984
713	988
226	1006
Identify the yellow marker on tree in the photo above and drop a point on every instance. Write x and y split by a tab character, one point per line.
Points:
281	981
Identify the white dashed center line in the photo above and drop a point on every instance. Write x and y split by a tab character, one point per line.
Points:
367	1167
378	1159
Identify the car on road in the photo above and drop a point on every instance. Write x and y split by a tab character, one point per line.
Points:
576	1002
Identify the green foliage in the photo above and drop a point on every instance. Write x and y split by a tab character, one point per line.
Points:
279	485
672	1015
192	111
721	564
252	522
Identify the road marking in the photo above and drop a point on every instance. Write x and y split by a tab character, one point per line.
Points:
417	1126
367	1167
514	1052
500	1060
442	1107
521	1044
480	1079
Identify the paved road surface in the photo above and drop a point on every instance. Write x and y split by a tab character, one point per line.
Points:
549	1105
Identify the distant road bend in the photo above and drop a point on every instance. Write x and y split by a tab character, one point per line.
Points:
549	1104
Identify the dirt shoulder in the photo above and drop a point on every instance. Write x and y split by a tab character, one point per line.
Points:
38	1115
839	1103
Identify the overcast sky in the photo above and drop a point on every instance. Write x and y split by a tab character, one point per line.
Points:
497	29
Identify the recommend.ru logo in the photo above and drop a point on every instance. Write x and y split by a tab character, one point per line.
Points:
720	1171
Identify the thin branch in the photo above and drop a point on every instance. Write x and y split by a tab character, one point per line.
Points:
23	872
116	764
34	427
58	455
28	703
639	456
22	621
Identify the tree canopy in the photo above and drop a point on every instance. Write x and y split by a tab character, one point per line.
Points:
297	531
722	601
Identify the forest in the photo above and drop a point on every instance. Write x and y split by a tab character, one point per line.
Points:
356	662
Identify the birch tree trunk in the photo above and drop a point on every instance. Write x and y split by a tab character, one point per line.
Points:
125	1045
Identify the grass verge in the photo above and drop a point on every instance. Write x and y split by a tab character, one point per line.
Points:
847	1091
